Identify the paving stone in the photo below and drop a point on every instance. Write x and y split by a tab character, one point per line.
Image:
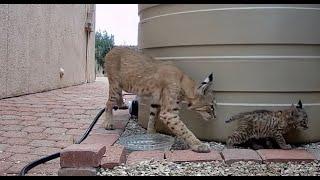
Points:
279	155
233	155
19	149
105	139
189	155
82	155
114	156
77	172
33	129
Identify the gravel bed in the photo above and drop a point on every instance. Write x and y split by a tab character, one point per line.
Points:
164	168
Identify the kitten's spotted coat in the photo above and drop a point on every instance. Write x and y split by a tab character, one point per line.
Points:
263	124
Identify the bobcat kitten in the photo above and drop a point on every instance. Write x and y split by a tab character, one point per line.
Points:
167	86
263	124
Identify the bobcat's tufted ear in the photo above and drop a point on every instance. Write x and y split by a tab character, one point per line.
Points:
206	86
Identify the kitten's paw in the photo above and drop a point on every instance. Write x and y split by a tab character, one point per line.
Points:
108	126
286	147
201	148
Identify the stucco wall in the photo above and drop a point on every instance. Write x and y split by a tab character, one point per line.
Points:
36	40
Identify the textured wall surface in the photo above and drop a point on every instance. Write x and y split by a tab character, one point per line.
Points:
264	56
36	40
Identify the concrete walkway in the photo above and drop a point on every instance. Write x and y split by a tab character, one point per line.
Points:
36	125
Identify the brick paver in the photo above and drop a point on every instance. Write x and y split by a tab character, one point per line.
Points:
23	157
4	167
279	155
82	155
104	139
2	139
33	129
42	143
16	168
17	141
54	130
4	155
14	134
44	151
62	144
37	136
77	172
45	169
188	155
233	155
19	149
3	147
40	124
114	156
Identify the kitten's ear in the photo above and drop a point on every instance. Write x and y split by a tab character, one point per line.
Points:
299	104
206	86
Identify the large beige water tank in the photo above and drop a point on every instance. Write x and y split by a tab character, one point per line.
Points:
263	57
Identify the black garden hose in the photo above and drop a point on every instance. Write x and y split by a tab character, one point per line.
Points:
35	163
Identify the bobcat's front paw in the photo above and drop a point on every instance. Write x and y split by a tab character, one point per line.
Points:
201	148
108	126
286	147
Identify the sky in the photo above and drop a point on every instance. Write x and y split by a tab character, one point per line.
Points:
121	20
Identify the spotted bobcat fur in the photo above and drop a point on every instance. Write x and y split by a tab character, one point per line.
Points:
268	124
168	87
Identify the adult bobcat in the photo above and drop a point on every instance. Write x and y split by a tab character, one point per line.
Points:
167	86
